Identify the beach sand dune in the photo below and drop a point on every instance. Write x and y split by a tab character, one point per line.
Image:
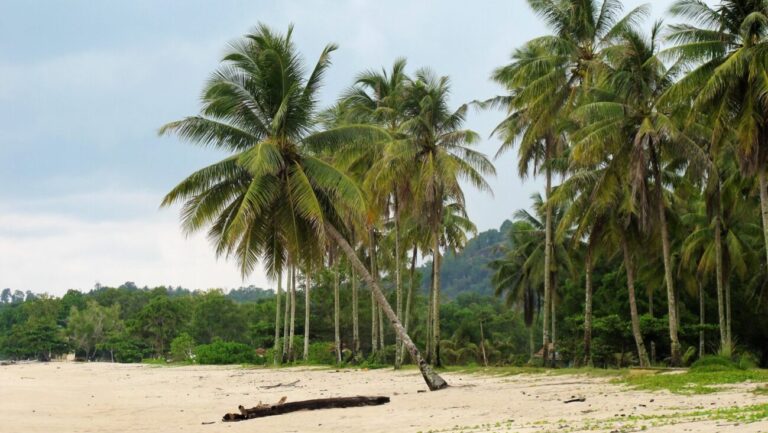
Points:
103	397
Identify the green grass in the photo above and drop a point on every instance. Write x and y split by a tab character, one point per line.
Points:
514	371
694	381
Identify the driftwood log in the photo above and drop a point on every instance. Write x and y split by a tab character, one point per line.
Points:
281	407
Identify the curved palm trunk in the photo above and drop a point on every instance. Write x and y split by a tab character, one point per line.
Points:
308	279
277	316
672	308
719	277
763	205
547	265
433	380
629	267
336	331
374	310
588	308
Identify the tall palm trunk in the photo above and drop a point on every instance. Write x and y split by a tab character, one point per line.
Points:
398	283
430	308
728	322
436	298
286	314
701	319
547	265
308	279
293	314
672	307
629	267
719	276
374	310
433	380
277	316
588	307
355	318
409	298
553	303
763	185
336	312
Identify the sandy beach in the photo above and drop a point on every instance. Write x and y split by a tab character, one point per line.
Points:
103	397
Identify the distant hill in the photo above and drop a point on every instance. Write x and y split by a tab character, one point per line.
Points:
468	272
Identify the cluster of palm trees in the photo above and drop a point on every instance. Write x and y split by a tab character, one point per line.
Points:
302	189
648	131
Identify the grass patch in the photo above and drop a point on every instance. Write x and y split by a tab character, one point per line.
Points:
514	371
695	381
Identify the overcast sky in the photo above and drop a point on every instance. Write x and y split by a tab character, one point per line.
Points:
84	86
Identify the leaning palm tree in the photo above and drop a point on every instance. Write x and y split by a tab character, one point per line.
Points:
546	80
272	198
726	46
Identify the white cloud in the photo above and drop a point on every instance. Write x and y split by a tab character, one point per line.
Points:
44	251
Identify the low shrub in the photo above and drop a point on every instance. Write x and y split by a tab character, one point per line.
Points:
226	352
714	363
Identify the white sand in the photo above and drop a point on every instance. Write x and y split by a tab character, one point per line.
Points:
103	397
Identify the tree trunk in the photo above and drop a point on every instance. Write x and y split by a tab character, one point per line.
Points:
650	313
701	319
763	205
588	308
719	275
286	315
547	265
293	313
629	266
277	316
355	318
728	322
553	302
409	298
433	380
482	344
674	322
398	282
308	279
430	308
436	300
374	310
336	330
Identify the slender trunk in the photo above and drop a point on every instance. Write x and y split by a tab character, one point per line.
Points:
398	282
436	300
531	342
553	302
482	344
650	312
336	312
286	315
433	380
374	310
277	316
409	298
547	265
355	318
728	322
430	308
763	205
588	308
308	279
293	314
719	281
666	249
629	266
701	319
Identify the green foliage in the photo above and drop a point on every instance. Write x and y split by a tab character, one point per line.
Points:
183	348
226	352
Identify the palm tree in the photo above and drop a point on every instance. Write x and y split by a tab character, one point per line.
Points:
273	197
726	46
545	81
439	152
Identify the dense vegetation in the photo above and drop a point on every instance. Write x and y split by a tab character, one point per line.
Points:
651	249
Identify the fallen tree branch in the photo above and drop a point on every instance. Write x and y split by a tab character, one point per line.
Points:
280	408
281	384
576	400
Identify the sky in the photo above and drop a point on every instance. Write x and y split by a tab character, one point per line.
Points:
85	85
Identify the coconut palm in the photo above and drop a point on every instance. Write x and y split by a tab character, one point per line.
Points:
273	198
726	46
545	81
